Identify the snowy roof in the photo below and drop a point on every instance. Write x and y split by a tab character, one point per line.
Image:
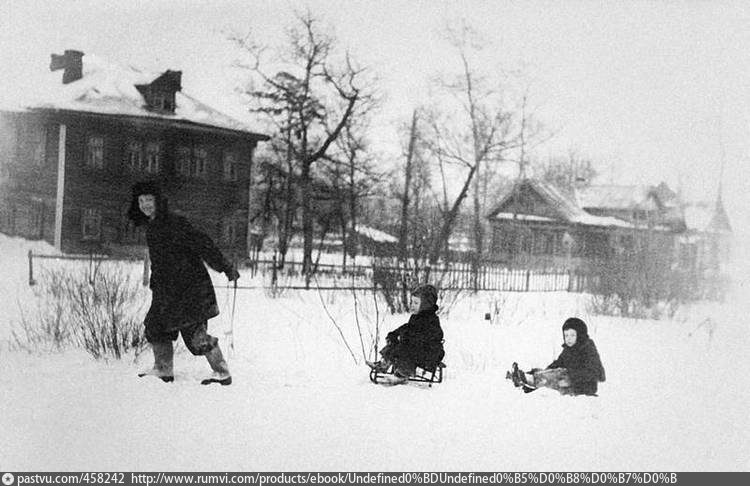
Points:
108	88
460	243
615	197
375	235
523	217
565	206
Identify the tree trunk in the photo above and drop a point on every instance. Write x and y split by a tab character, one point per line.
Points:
478	235
353	210
307	219
403	232
449	219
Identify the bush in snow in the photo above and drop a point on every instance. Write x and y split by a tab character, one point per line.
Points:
45	327
639	285
99	311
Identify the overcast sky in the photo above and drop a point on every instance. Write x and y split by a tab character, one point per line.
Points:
650	90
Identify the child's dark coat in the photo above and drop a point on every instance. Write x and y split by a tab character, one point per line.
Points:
419	342
582	361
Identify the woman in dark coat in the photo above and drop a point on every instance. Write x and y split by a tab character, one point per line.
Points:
419	342
183	297
580	358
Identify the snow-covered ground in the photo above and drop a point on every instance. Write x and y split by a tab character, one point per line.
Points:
676	397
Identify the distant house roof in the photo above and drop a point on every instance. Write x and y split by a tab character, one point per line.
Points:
110	89
563	205
375	234
615	197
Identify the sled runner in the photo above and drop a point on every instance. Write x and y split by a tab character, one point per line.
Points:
555	378
422	374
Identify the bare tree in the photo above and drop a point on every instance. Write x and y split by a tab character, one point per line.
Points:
352	175
277	195
478	137
566	172
403	234
309	94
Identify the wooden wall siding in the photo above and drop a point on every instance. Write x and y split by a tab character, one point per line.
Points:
32	138
210	202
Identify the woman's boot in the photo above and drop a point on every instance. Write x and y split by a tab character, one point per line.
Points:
221	373
163	362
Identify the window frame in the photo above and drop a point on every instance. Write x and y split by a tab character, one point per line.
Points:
229	166
193	161
152	166
184	160
130	150
200	154
36	137
89	215
95	153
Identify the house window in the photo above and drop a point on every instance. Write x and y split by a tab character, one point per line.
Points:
229	164
91	224
37	218
200	158
131	234
184	161
537	242
153	157
526	240
508	240
232	232
36	137
134	155
192	162
548	247
162	101
95	152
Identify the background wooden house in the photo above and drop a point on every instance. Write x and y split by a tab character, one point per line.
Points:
69	156
537	225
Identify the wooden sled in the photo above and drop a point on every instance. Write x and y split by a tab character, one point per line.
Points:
555	378
425	374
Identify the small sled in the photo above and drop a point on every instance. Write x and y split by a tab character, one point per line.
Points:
555	378
424	374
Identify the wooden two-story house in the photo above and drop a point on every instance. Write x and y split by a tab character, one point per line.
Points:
70	153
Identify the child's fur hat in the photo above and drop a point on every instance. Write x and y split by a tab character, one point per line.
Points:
428	294
578	326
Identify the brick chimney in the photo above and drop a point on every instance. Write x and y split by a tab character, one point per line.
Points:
72	62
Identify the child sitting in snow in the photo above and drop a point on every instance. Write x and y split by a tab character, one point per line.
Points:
576	371
419	342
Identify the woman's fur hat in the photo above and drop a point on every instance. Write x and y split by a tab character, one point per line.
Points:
139	189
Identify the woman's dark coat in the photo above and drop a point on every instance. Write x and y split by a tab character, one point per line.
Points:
183	293
583	364
420	341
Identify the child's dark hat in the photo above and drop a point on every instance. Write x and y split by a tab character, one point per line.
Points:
577	325
427	293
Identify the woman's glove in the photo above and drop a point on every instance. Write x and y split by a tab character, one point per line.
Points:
232	274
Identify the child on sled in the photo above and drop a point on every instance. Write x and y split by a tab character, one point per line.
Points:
419	342
576	371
